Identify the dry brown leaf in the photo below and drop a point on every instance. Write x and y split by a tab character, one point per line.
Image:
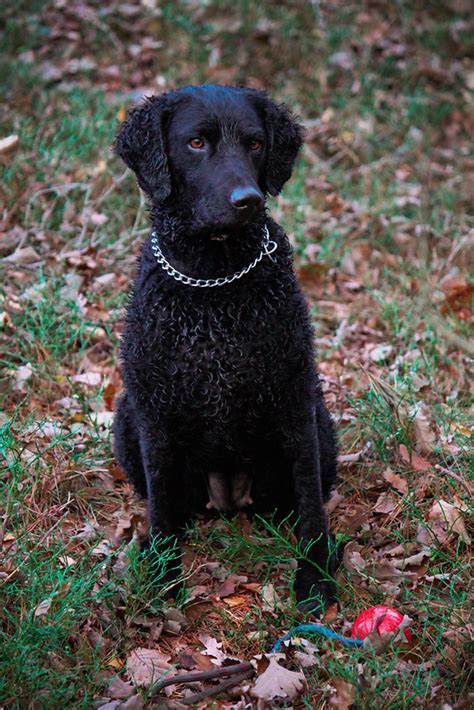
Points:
235	600
115	663
385	504
278	682
453	285
109	706
381	353
44	606
118	689
344	694
334	501
213	649
416	463
174	620
452	518
400	484
352	559
350	458
22	375
416	559
26	255
271	601
307	654
135	702
88	378
146	666
421	425
5	320
229	585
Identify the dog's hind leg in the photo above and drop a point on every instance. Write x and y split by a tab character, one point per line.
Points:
127	445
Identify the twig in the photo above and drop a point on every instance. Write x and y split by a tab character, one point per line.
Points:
245	666
217	689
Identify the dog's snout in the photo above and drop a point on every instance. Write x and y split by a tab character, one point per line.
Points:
246	198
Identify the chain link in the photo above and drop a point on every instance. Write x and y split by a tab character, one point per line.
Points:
268	247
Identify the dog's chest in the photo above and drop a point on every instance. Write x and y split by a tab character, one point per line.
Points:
210	353
222	340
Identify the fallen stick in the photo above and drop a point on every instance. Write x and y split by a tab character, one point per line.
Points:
217	689
244	667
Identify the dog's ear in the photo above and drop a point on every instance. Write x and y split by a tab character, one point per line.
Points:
141	144
285	138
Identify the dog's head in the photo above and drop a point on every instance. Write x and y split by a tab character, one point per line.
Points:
213	152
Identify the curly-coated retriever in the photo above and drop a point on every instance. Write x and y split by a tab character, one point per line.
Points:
222	405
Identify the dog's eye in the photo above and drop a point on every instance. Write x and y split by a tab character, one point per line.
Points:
256	144
196	143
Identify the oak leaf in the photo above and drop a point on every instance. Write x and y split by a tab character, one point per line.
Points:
278	682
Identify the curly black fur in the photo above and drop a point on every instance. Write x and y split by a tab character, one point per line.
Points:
222	404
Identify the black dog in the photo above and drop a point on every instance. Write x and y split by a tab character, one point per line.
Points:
222	405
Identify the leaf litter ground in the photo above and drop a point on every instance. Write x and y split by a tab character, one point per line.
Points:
379	215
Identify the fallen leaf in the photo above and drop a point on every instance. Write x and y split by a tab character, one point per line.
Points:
26	255
5	320
350	458
385	570
146	666
88	378
421	424
116	472
115	663
213	649
118	689
174	620
415	462
454	285
400	484
452	518
103	549
271	601
307	654
278	682
22	375
191	659
135	702
200	591
416	559
235	600
8	144
334	501
229	585
98	218
352	559
344	694
86	532
381	353
385	504
44	606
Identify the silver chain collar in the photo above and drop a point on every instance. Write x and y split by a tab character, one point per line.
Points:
268	247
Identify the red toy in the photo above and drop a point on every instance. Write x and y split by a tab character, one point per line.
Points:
383	619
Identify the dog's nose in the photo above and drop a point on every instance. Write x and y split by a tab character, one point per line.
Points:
246	197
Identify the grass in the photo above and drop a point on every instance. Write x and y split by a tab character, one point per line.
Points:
378	214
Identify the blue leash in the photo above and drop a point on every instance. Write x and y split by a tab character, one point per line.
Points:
316	629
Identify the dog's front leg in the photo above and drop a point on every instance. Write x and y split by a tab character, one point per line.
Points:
162	544
314	586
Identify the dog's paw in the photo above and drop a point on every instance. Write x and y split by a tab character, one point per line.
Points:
314	598
163	559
